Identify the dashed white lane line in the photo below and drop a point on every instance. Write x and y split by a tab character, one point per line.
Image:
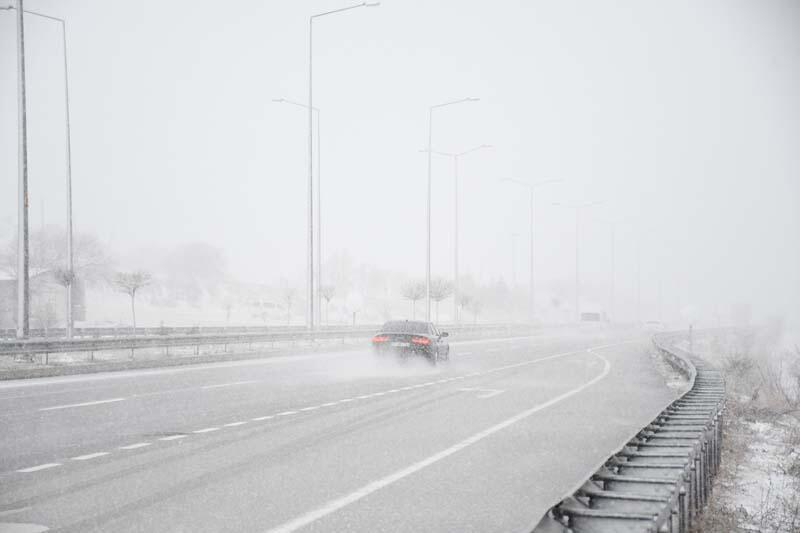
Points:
232	384
174	437
39	467
89	456
339	503
135	446
284	413
84	404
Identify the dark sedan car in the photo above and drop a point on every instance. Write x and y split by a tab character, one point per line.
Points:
411	337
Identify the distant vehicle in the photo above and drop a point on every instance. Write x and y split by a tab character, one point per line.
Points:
653	325
592	317
411	337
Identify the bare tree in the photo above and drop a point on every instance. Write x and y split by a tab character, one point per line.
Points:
414	291
130	283
440	290
327	292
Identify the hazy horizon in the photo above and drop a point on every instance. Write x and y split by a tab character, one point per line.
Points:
683	119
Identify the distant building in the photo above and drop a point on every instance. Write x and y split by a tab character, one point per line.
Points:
47	305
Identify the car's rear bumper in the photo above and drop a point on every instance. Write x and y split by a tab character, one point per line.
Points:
403	351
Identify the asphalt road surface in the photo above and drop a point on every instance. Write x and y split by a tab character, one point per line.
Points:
340	441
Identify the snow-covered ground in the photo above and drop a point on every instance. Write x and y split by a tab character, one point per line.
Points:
758	488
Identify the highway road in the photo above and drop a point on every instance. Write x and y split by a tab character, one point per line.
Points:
339	441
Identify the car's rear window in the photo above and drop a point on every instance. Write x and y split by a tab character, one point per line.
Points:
406	326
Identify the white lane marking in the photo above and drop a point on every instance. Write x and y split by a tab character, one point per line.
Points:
339	503
135	446
286	413
84	404
37	468
377	394
234	424
346	400
485	393
174	437
312	408
205	430
328	404
89	456
392	391
231	384
363	397
260	418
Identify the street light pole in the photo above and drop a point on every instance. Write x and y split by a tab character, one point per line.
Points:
428	211
531	189
577	208
310	282
319	202
70	263
456	157
23	287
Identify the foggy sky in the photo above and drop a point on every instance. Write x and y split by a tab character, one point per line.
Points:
682	117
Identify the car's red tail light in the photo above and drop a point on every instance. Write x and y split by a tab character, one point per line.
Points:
380	338
424	341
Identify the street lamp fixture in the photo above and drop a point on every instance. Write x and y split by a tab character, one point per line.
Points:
428	210
310	107
456	156
23	297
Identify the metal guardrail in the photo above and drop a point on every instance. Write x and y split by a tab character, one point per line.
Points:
122	331
661	479
133	342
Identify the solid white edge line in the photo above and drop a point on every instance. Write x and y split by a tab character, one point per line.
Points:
235	424
339	503
38	467
84	404
205	430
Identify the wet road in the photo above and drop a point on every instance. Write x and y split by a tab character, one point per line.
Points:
339	441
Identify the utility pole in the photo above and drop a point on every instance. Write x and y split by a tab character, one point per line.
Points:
23	285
